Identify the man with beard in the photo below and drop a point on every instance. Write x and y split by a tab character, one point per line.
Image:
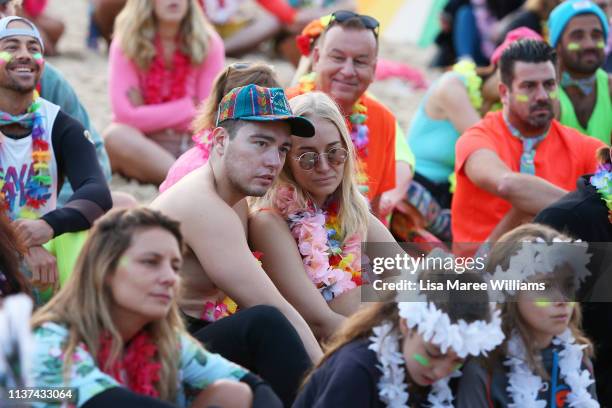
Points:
579	32
250	143
513	163
39	145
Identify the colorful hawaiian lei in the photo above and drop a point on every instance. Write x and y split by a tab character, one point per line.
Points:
467	69
332	265
358	127
602	181
38	186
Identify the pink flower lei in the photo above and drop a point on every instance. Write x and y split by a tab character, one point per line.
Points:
332	265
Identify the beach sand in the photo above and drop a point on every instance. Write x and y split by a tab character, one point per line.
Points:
87	71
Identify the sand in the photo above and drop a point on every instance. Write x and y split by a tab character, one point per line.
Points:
87	71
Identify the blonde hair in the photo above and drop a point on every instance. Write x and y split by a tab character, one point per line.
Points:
136	26
353	208
83	304
233	76
500	255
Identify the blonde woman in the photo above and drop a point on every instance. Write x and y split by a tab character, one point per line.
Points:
114	334
162	63
310	226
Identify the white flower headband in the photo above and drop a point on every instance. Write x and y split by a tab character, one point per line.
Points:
531	260
478	337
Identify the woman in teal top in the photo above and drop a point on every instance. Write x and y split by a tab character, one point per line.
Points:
113	334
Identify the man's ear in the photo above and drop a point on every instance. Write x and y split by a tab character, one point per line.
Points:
220	138
504	93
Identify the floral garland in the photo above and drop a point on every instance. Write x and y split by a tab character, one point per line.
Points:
467	69
38	186
359	129
137	369
602	181
332	266
213	311
524	386
392	388
157	76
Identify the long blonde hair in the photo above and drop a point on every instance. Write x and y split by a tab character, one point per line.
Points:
136	26
500	255
83	304
353	208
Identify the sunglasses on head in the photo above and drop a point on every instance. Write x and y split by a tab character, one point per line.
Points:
335	157
344	15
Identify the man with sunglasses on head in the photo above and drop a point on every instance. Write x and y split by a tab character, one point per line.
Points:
344	62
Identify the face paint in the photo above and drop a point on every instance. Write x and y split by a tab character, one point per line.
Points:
542	302
422	360
38	58
123	261
5	57
573	46
521	98
553	94
601	45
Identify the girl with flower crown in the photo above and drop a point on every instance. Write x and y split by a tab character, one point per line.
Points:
544	362
114	333
311	224
162	63
403	354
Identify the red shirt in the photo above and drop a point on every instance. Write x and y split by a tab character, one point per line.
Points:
562	157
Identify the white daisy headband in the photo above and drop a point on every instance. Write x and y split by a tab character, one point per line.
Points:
434	325
542	258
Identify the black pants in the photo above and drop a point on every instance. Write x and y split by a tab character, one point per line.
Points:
262	340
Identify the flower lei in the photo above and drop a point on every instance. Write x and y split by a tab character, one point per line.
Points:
392	388
602	181
524	386
467	69
359	130
214	311
333	267
137	369
157	76
38	186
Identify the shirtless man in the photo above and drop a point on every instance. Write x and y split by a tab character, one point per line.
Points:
251	141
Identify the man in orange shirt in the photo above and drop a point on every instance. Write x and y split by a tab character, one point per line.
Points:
344	63
514	163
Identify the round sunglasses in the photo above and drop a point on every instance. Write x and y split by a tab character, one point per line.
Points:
335	157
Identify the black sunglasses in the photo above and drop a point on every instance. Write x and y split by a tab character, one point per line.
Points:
368	21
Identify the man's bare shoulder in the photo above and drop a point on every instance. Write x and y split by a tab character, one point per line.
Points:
190	198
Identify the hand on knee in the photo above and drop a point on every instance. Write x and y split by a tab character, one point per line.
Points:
226	394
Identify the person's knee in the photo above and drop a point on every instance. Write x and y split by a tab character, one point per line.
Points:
123	200
269	318
225	393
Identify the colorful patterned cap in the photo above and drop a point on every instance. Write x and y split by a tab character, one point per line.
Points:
12	32
259	104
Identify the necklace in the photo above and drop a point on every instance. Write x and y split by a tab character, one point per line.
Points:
359	130
467	69
602	181
38	186
331	262
392	388
524	386
158	76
